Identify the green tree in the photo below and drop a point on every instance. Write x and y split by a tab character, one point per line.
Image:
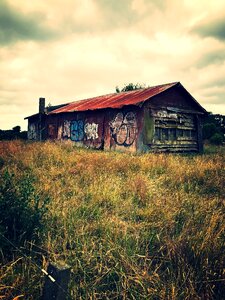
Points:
216	139
209	129
214	128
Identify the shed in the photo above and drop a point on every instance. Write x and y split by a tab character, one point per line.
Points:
159	118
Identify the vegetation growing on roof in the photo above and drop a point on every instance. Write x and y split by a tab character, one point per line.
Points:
130	87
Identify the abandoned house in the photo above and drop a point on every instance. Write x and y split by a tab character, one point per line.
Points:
160	118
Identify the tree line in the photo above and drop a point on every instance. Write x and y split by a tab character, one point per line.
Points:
214	128
12	134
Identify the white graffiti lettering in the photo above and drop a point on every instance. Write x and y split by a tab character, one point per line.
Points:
91	131
66	129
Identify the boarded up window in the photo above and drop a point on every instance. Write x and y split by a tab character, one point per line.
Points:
170	127
157	133
172	134
165	134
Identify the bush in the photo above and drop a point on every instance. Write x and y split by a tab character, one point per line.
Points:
21	211
216	139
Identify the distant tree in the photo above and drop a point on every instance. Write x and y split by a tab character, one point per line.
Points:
130	87
12	134
214	128
220	122
209	129
16	129
216	139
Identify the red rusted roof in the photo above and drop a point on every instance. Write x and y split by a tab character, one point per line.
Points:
115	100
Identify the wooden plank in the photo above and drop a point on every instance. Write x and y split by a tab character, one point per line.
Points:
199	134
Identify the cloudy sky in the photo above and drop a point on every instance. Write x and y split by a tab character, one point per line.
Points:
66	50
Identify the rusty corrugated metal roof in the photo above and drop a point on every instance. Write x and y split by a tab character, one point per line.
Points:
115	100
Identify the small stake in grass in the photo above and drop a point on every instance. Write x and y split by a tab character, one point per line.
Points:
56	282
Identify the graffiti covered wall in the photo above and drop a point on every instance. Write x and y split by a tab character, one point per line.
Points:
85	130
106	129
124	128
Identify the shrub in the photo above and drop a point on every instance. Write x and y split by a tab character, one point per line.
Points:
21	211
216	139
209	130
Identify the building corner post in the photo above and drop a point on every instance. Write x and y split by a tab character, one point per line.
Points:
41	114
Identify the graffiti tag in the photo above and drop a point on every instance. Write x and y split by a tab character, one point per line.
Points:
32	134
77	130
91	131
66	129
123	128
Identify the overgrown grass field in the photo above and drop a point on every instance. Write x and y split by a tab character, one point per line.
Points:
147	226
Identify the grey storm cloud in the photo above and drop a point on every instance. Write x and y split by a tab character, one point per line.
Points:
15	26
214	29
215	57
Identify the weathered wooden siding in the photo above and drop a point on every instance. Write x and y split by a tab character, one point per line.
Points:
170	121
176	98
174	131
130	130
33	131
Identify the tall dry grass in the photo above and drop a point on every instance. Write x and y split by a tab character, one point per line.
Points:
145	226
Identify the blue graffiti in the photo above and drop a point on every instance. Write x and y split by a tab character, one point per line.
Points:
77	130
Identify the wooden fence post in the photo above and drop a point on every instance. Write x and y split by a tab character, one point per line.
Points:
57	290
